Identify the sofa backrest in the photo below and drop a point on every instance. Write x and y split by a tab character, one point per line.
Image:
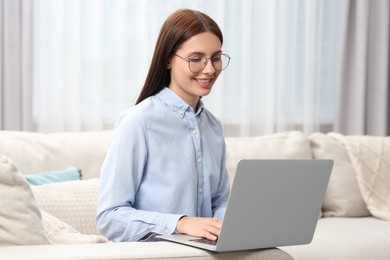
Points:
38	152
284	145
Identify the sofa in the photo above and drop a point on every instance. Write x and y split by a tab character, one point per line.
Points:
55	219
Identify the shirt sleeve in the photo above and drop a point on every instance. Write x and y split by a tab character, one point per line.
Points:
121	176
219	200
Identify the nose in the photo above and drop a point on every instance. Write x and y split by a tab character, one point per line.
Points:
209	68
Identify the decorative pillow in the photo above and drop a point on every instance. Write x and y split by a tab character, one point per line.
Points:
343	197
370	156
285	145
69	174
59	232
20	218
73	202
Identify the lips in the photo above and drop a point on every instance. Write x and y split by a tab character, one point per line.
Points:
204	83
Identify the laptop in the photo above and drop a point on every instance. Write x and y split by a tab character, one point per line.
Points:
272	203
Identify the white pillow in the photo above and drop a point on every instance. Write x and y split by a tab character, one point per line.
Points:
73	202
59	232
20	218
342	197
370	157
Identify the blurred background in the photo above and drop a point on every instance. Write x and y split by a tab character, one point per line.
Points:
307	65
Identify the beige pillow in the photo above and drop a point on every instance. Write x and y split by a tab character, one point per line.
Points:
285	145
73	202
370	156
59	232
343	197
20	218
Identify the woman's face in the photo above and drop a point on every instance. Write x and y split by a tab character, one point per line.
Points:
187	84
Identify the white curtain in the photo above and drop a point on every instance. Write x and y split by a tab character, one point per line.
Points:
91	58
16	65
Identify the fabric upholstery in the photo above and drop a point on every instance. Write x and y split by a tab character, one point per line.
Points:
58	232
39	152
346	238
74	202
343	197
68	174
135	251
20	218
286	145
370	156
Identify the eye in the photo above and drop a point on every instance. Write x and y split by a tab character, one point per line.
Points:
217	58
195	59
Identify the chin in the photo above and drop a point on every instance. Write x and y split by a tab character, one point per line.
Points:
204	92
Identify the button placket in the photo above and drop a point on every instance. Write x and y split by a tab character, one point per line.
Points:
196	138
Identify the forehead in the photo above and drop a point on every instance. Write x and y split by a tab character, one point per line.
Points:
206	43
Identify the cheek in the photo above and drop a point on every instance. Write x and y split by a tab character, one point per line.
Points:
181	76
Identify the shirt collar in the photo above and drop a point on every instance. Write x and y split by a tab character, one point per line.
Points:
176	104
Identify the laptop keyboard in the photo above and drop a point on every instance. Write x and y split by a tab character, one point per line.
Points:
205	241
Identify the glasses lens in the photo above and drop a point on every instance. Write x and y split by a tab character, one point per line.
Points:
197	64
220	62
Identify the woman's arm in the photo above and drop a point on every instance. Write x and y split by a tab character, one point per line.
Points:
121	176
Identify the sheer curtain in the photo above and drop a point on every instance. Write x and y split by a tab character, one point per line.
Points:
91	58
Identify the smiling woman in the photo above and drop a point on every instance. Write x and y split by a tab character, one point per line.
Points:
169	143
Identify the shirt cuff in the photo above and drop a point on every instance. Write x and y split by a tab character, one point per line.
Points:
166	224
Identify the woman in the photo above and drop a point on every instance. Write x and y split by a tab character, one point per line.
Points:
165	170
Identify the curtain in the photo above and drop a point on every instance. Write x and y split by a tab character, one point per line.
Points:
91	58
363	82
16	65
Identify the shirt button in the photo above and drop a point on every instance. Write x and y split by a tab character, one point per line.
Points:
200	190
166	231
194	132
199	160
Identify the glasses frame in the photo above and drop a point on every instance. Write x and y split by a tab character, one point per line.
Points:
205	63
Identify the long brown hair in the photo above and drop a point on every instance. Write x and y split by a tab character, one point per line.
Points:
178	28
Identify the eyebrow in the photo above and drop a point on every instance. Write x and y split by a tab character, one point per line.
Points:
201	53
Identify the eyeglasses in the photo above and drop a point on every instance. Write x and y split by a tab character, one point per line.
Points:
197	63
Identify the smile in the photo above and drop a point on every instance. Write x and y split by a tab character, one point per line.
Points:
203	80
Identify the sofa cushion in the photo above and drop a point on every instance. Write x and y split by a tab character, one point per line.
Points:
73	202
58	232
20	218
135	251
346	238
370	156
342	197
69	174
285	145
39	152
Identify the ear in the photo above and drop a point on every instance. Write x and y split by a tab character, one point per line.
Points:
169	63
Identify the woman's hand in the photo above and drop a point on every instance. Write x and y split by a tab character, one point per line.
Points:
200	227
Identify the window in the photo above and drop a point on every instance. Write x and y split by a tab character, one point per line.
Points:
91	58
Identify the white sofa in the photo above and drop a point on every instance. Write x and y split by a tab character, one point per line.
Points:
347	228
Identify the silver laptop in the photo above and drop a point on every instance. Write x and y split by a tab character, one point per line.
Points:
272	203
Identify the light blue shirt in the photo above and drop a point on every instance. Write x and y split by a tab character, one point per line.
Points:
164	161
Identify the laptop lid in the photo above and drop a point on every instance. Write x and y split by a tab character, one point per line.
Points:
272	203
